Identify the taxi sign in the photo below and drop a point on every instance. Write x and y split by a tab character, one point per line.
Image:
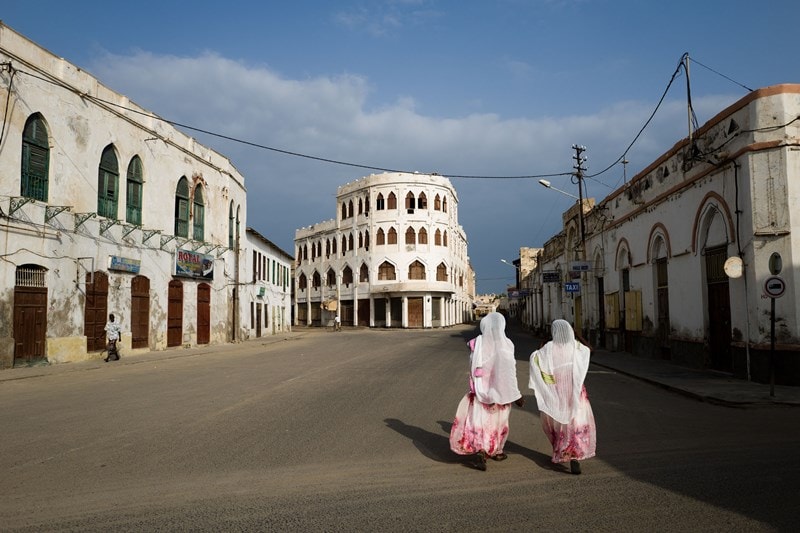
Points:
572	286
774	286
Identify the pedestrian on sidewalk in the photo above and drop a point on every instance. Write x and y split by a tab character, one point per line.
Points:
558	372
113	331
480	427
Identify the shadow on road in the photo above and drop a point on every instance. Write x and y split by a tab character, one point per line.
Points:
431	445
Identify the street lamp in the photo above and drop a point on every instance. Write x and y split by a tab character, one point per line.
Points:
545	183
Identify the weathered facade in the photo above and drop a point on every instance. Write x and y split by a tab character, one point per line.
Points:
395	256
675	264
105	208
268	291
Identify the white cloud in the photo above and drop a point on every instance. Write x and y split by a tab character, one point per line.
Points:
331	117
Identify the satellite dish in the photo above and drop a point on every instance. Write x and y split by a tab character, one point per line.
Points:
733	267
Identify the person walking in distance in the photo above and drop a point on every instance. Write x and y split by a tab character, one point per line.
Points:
113	331
480	427
557	374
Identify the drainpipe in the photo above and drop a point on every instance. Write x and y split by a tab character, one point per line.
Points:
744	270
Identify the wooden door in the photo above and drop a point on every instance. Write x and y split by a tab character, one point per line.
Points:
30	324
175	313
203	313
258	320
140	312
95	312
719	311
415	313
363	312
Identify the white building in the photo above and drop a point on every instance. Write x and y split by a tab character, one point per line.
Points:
105	208
269	287
394	256
676	262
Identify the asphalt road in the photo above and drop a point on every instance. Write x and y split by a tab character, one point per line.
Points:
348	432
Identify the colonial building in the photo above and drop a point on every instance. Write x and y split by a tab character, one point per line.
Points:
394	256
269	291
105	208
686	261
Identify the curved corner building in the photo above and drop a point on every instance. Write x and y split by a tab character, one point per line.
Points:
394	256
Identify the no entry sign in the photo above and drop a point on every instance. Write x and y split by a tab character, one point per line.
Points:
774	286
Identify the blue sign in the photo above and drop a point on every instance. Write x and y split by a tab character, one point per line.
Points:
572	286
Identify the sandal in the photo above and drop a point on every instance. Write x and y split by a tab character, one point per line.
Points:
575	467
480	462
499	457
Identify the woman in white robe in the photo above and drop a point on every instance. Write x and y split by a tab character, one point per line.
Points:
557	375
481	423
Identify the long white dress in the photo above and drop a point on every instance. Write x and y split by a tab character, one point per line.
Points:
481	421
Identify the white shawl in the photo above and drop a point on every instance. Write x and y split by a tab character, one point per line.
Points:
493	367
558	371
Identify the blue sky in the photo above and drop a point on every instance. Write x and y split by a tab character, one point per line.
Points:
479	88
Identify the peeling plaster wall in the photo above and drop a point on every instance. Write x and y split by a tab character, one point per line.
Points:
75	241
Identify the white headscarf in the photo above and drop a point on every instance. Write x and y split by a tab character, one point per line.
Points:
558	370
496	381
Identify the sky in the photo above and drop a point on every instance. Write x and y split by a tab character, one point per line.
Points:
493	90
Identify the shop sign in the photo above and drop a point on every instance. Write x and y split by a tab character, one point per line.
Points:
194	265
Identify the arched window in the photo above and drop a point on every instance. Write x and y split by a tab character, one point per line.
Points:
302	282
305	252
392	236
360	240
313	251
316	280
441	272
319	248
444	204
391	201
363	273
411	236
437	203
366	240
350	242
133	195
422	201
35	159
347	276
182	208
416	270
410	201
333	246
350	209
108	183
379	203
230	233
344	244
198	214
444	238
386	271
360	206
344	210
327	248
330	278
437	238
380	238
422	236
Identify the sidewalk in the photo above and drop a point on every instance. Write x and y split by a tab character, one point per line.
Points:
702	385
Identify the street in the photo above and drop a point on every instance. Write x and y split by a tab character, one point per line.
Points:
348	431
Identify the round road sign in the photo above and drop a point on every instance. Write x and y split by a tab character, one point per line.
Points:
774	286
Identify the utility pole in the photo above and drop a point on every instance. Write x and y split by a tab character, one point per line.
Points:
580	159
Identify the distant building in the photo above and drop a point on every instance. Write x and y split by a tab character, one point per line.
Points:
269	288
394	256
676	263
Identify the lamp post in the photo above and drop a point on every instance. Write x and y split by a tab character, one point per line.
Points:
580	159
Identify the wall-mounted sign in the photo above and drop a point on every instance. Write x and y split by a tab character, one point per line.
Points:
552	276
580	266
124	264
774	286
572	286
194	265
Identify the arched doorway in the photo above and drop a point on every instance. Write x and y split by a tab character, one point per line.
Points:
140	312
95	311
203	313
175	314
30	314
